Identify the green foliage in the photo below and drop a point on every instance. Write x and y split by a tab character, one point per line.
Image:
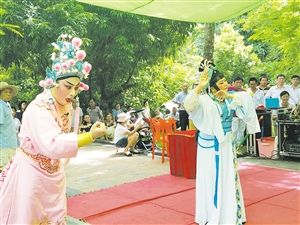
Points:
276	25
119	44
159	84
4	74
6	26
232	56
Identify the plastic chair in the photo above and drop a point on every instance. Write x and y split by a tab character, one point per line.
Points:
157	136
169	127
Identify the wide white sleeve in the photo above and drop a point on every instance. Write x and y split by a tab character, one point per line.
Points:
191	102
244	108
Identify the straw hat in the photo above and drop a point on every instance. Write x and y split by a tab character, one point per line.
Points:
123	117
4	85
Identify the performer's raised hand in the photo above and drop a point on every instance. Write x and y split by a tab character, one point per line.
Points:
204	77
98	129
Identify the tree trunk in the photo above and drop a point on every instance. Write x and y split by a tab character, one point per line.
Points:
209	38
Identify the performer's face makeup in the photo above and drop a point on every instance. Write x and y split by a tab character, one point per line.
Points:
222	84
66	90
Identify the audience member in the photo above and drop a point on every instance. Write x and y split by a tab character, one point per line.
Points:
238	125
22	106
110	127
16	122
284	103
282	113
238	83
8	136
116	111
175	115
256	94
77	115
158	114
95	112
124	138
280	86
179	100
86	124
264	83
146	112
295	89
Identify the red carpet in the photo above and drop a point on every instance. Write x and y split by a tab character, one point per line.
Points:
271	197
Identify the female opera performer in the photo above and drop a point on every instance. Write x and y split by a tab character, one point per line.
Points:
219	197
33	184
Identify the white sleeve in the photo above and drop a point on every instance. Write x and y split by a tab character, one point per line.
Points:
191	102
244	108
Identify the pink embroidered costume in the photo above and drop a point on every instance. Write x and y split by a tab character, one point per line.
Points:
33	184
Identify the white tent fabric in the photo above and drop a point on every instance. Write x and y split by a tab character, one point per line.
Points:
207	11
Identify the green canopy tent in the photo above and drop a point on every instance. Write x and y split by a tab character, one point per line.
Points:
205	11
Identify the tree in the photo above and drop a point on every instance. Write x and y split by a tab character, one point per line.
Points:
276	25
124	44
119	44
209	38
5	26
232	56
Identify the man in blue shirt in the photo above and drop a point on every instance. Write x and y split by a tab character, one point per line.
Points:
8	136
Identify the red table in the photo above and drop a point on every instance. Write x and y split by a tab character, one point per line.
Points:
183	150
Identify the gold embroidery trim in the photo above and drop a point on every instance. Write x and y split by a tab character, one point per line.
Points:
47	164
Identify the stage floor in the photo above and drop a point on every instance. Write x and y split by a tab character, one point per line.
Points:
271	197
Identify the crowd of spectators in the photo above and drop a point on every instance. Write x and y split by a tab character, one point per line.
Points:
260	89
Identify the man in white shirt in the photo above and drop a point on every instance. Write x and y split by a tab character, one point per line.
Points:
264	83
295	89
256	94
280	86
179	100
238	125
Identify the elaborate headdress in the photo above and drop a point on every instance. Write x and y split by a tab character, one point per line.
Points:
67	61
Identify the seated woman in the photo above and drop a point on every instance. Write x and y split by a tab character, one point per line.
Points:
86	124
124	138
110	127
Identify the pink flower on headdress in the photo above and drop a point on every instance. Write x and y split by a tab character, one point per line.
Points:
86	87
57	67
81	85
65	65
80	55
87	67
71	62
49	82
76	42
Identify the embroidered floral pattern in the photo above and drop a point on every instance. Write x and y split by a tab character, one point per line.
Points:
238	195
47	164
5	171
